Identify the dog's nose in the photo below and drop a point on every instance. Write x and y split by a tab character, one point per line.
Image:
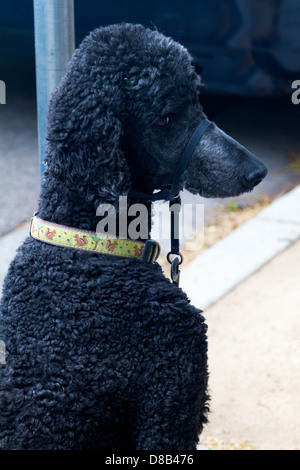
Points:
256	174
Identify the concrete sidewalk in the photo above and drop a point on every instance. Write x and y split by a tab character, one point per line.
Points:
254	360
236	257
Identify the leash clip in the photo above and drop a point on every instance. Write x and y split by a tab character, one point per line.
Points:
175	263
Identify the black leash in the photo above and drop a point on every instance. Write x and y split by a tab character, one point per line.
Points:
171	193
175	207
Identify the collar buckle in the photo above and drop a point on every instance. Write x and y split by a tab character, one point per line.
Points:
151	252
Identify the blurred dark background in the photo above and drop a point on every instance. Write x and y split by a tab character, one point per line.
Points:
242	47
248	52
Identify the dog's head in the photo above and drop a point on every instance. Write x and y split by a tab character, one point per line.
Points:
124	114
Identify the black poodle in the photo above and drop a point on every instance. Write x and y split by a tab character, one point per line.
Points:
104	352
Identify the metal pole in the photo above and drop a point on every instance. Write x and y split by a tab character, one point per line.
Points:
54	46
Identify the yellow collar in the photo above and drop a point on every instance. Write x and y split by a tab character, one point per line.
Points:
60	235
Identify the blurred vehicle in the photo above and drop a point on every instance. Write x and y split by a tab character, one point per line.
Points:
241	47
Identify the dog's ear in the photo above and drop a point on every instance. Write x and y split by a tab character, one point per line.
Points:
84	147
85	124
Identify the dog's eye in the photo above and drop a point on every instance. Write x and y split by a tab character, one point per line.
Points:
164	122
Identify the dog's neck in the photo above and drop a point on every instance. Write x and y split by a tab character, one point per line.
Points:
62	205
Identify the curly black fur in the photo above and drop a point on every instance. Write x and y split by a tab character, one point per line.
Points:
104	352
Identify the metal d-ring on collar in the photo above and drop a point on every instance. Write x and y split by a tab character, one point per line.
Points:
171	193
